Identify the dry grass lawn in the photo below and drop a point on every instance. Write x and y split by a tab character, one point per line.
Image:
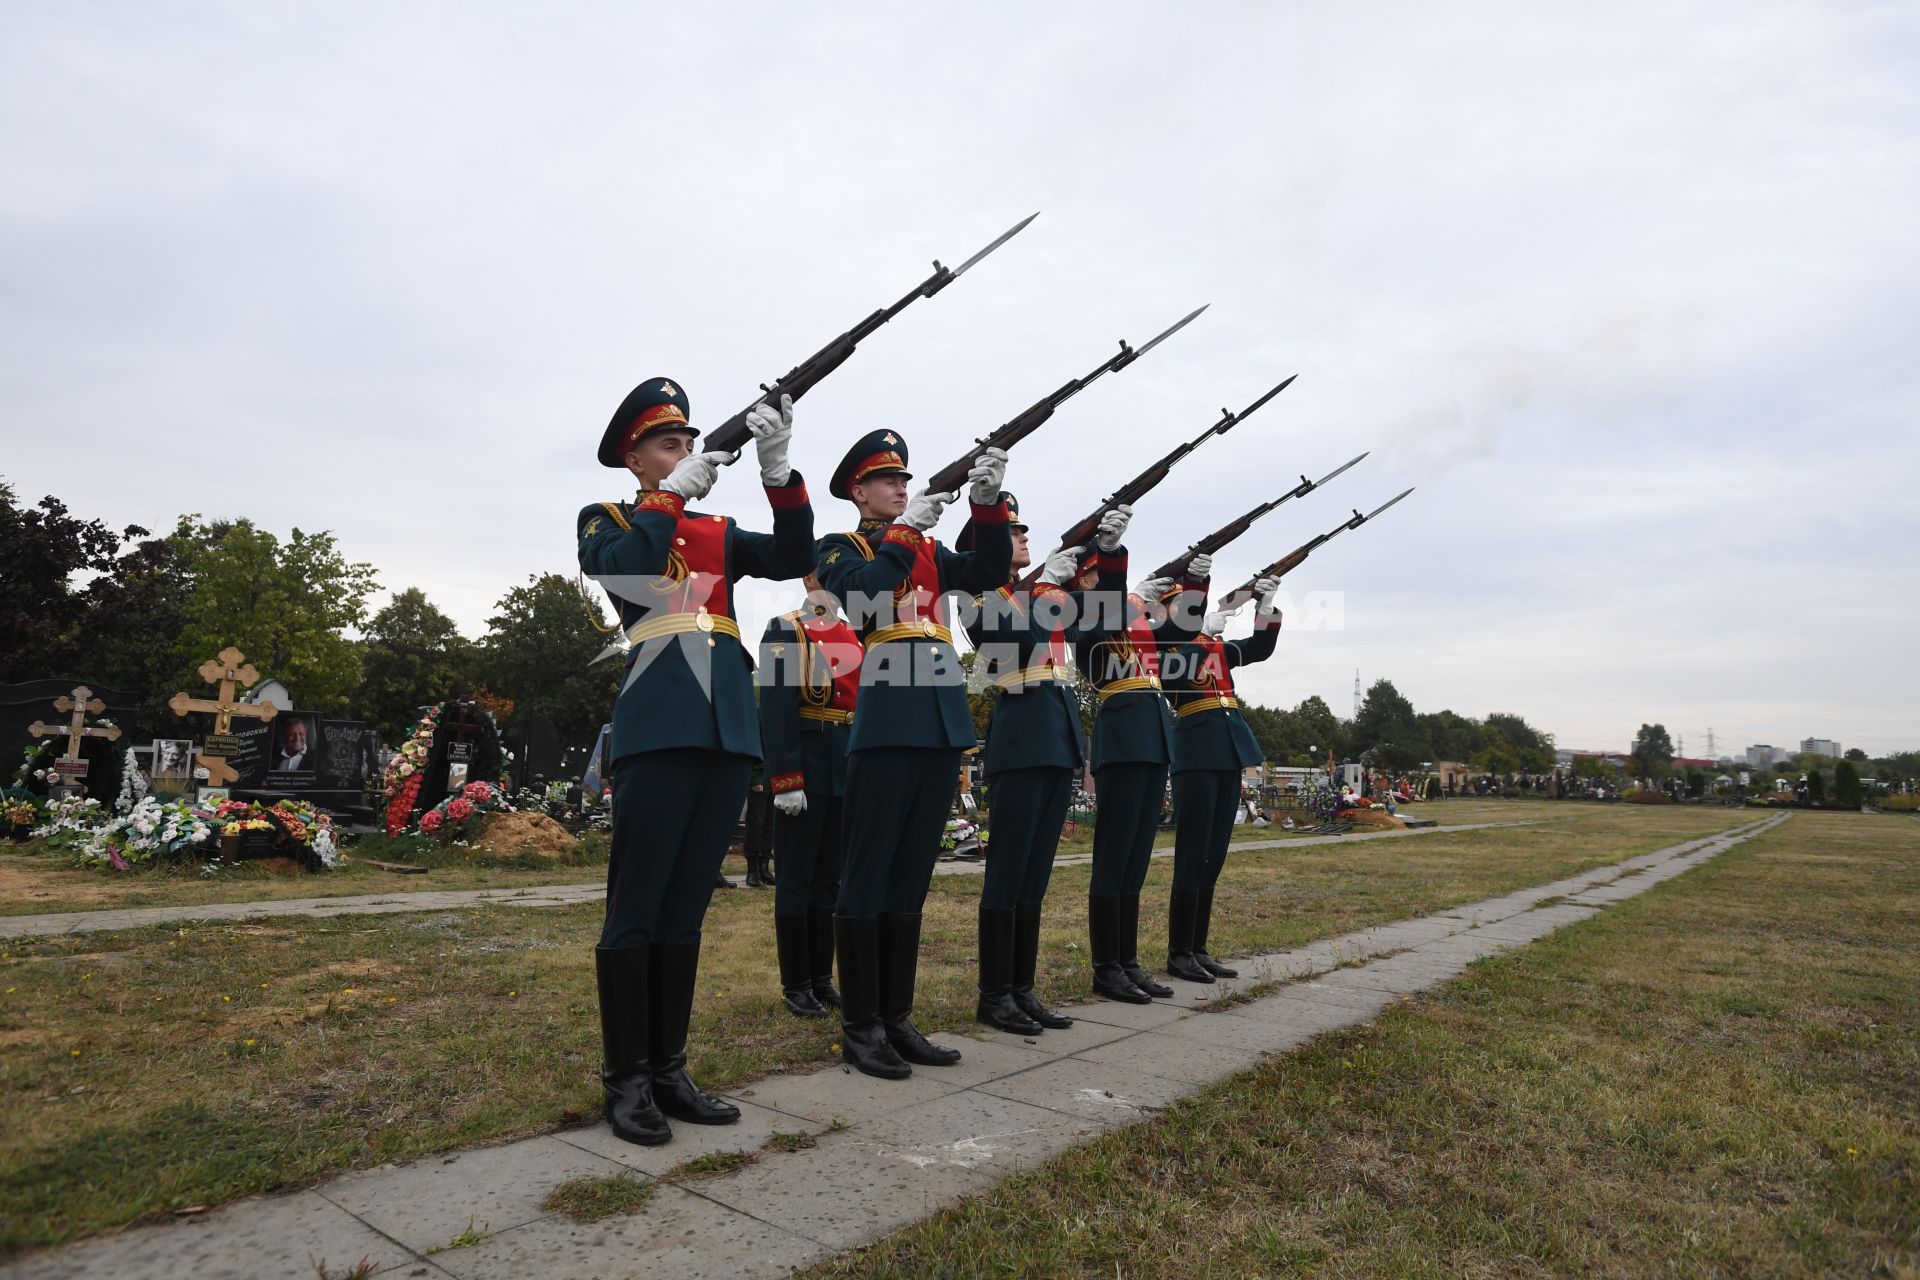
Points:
153	1069
1720	1078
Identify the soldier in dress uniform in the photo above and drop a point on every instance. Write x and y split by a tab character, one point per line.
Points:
1024	644
892	579
1212	745
809	687
685	735
1132	750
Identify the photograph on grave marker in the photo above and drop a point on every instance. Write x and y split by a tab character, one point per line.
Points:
172	773
295	742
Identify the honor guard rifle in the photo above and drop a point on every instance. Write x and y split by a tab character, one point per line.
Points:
950	477
1082	533
1176	568
1288	563
733	434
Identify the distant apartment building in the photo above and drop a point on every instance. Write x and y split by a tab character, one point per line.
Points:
1763	755
1820	747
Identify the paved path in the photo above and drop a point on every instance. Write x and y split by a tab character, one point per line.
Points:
549	895
913	1146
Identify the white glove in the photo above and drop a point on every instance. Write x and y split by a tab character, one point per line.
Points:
989	470
1214	623
772	433
924	509
1113	526
791	802
1201	569
693	478
1263	589
1063	565
1153	588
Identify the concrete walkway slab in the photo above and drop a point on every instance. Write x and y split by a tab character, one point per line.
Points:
679	1233
501	1188
901	1150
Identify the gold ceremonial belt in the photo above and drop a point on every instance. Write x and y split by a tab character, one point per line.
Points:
1034	675
1212	702
826	715
922	630
674	624
1132	684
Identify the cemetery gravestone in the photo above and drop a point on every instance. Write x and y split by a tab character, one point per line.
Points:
535	745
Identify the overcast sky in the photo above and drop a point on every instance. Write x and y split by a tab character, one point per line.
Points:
1629	291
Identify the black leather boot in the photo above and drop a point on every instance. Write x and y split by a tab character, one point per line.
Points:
720	881
1181	905
796	980
820	955
899	966
1109	979
1026	959
996	1008
863	1041
756	877
1129	949
1202	921
626	1076
766	870
675	965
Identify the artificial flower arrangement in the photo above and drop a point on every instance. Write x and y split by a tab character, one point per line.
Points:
963	836
1318	797
405	772
149	831
21	813
457	815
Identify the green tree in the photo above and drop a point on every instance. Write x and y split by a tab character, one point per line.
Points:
1532	748
1652	751
1856	755
413	655
1499	756
1388	728
1816	788
1452	736
42	547
1846	784
1272	732
287	606
135	614
536	651
1319	731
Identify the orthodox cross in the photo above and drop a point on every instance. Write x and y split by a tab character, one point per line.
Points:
463	726
224	671
81	703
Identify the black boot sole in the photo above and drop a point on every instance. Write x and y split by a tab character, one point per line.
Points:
639	1137
1124	994
808	1008
1139	978
1187	970
1001	1021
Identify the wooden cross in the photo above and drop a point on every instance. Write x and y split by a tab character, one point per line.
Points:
83	704
224	670
463	726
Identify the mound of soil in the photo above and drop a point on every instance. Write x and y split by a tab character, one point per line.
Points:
1377	818
515	833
